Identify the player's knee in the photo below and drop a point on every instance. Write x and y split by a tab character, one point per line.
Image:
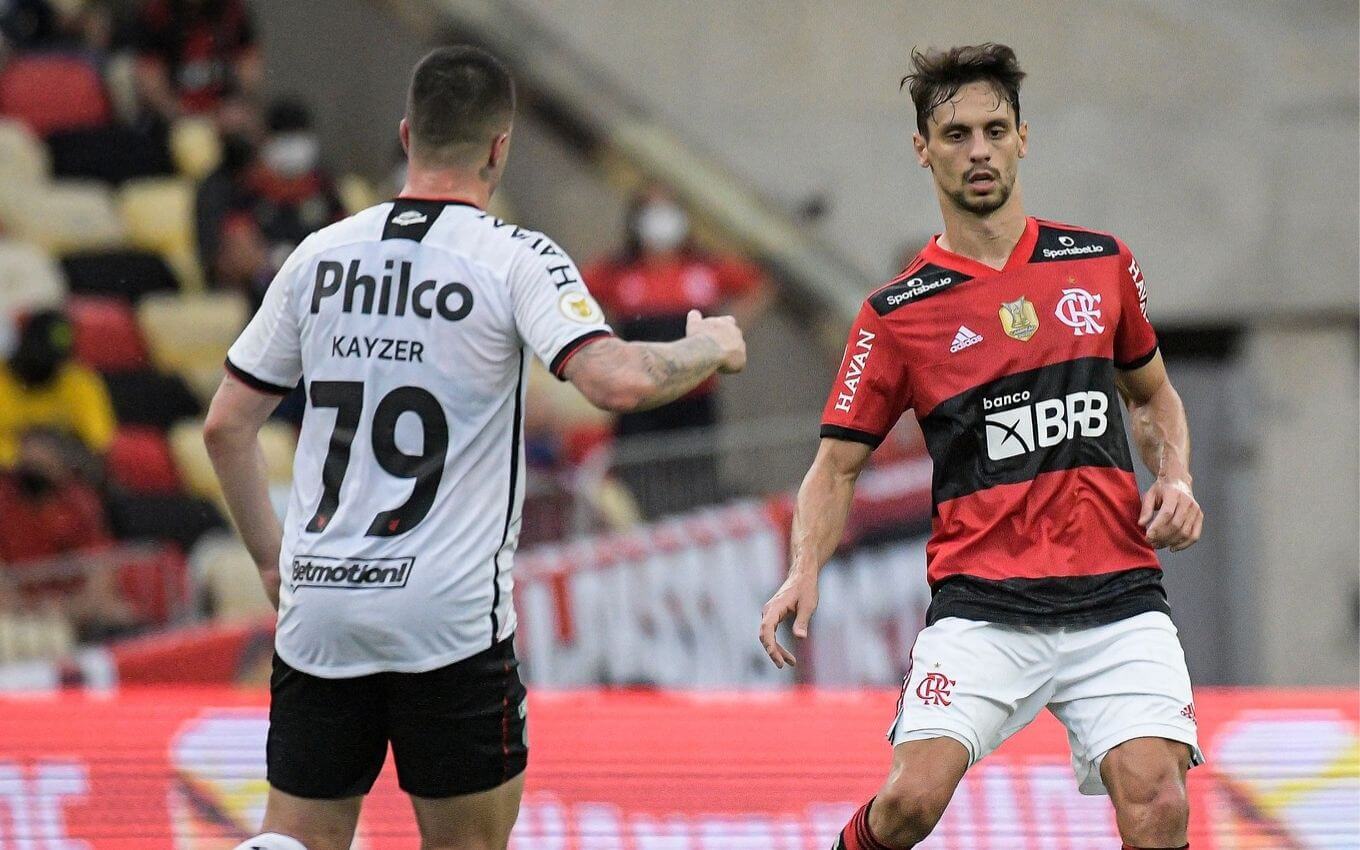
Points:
271	841
1151	799
908	809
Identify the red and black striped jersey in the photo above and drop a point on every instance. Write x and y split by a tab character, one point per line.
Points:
1011	373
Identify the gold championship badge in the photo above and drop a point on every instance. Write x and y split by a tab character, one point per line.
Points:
1018	318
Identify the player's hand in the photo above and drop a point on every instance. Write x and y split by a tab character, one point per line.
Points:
1171	515
269	577
797	598
722	330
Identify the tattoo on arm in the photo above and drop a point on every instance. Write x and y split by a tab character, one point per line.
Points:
670	369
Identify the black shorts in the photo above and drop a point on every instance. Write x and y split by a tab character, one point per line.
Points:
456	730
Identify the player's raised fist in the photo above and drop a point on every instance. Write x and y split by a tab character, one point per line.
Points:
722	330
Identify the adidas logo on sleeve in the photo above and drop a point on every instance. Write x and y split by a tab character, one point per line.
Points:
963	339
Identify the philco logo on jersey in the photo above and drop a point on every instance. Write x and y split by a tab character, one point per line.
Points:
854	370
353	573
1070	248
580	307
394	295
1046	423
1019	319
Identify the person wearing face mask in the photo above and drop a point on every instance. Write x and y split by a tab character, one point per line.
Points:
41	386
646	290
193	54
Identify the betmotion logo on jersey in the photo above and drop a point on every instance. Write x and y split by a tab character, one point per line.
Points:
394	295
351	573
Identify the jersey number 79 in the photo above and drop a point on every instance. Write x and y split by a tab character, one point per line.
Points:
427	468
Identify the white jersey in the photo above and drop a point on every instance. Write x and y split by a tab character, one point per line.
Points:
409	322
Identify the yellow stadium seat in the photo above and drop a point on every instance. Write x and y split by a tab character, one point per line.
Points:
29	278
225	573
158	214
35	636
277	442
65	216
23	157
190	334
355	193
195	147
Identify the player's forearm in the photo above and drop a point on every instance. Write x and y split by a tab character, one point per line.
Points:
240	466
1162	434
626	377
824	500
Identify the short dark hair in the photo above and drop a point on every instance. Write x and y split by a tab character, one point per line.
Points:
937	75
459	95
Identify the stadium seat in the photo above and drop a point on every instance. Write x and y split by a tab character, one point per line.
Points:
147	397
35	636
195	148
277	441
356	193
28	85
174	518
113	154
158	214
190	334
106	334
225	575
29	278
123	274
139	461
64	216
23	159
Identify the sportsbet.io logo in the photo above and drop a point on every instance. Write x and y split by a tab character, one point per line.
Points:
351	573
1024	429
1070	248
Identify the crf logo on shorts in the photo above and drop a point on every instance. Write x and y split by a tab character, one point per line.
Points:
934	689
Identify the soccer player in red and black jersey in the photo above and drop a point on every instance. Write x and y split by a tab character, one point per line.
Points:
1014	340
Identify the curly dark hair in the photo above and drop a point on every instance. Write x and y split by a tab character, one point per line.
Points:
937	75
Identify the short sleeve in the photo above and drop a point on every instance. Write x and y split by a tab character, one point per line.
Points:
554	311
267	356
1135	341
871	388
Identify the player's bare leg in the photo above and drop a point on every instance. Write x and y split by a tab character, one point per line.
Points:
318	824
1146	781
480	821
912	800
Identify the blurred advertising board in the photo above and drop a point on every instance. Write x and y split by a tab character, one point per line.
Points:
183	769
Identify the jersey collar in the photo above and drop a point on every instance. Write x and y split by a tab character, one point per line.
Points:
453	202
1020	254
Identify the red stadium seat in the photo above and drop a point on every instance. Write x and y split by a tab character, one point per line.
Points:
107	337
139	460
53	92
156	585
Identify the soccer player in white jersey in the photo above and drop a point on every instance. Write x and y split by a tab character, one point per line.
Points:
408	323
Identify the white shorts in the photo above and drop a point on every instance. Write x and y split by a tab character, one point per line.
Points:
979	683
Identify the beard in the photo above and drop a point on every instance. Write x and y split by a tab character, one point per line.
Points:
984	206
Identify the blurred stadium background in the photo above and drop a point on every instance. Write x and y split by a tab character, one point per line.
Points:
158	158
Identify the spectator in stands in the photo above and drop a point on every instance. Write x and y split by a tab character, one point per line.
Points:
41	386
647	289
271	192
193	54
44	25
47	510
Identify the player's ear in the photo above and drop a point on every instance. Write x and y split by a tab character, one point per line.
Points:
919	143
1023	130
404	133
500	149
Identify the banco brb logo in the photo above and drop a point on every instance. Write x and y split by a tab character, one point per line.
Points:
1024	429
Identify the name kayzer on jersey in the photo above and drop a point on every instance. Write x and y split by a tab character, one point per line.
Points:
392	295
